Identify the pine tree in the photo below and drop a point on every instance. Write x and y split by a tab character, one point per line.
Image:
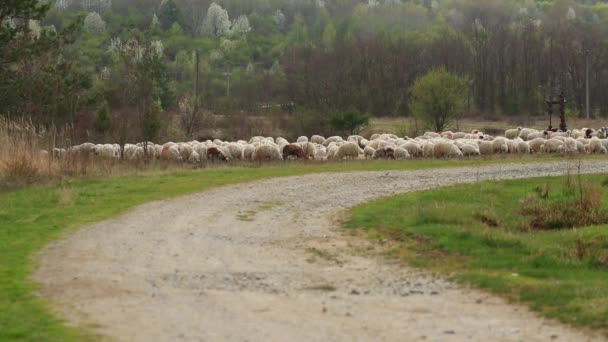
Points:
169	14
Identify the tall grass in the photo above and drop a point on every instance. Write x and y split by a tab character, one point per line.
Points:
26	155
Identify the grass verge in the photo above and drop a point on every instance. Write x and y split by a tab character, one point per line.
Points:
474	233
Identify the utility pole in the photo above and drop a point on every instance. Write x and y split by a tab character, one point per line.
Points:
227	74
587	83
197	58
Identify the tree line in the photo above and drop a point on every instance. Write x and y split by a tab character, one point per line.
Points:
126	68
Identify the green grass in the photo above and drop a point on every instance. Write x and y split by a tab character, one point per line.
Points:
474	233
31	218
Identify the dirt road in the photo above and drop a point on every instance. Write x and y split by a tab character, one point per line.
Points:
264	261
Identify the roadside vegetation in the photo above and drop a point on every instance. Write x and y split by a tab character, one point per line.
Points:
542	242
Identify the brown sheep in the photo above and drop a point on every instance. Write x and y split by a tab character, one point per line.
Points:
293	150
214	153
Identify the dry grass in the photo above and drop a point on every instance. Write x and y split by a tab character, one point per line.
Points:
24	159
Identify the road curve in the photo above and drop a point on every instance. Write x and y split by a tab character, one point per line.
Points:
263	261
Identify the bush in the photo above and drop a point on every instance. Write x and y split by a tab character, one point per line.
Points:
348	122
437	97
577	205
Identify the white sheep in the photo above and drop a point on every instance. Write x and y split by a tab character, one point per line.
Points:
536	145
523	147
485	147
368	152
446	149
525	132
470	149
267	152
348	150
332	150
499	145
302	139
553	146
401	153
320	152
317	139
536	135
235	150
513	133
596	146
412	148
248	151
195	158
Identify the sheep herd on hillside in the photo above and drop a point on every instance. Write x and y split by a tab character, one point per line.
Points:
378	146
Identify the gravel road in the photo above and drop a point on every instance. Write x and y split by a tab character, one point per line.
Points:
265	261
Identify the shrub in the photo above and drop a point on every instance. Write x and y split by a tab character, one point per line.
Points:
577	205
348	122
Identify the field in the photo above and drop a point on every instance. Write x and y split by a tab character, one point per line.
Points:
476	233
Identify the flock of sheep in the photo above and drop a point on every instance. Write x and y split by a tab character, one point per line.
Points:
378	146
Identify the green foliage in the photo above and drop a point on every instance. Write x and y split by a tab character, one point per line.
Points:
438	96
560	273
349	122
169	15
103	119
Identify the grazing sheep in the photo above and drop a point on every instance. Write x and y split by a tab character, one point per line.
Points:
523	147
499	145
235	150
248	151
171	153
195	158
317	139
559	134
596	146
302	139
348	150
536	145
185	151
446	149
215	153
332	139
513	133
525	132
401	154
293	151
427	149
536	135
320	152
470	150
485	147
553	146
368	152
267	152
513	146
332	151
459	135
384	153
413	149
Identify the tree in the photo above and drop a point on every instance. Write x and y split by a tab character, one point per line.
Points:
94	23
103	119
169	14
135	88
190	114
217	22
438	96
348	122
241	25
